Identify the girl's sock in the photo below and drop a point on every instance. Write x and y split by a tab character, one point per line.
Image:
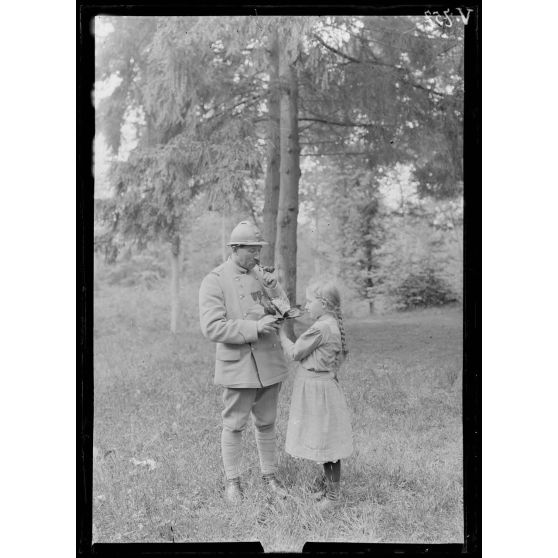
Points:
332	471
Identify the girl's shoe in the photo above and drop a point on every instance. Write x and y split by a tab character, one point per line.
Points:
318	488
333	494
233	491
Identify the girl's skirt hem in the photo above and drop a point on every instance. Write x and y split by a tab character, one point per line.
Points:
320	460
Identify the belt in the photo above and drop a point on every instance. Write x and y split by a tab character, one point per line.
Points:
316	375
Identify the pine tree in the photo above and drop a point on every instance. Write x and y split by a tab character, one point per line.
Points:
185	89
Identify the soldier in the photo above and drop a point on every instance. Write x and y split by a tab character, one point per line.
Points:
249	360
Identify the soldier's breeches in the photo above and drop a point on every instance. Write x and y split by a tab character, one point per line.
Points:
239	404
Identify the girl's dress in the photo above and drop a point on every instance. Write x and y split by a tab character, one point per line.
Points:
319	426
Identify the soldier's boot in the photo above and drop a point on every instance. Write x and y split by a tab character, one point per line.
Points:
233	491
274	486
333	494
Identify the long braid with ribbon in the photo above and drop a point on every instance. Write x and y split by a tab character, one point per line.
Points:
339	316
329	294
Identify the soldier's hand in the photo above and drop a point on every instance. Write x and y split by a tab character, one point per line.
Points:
268	324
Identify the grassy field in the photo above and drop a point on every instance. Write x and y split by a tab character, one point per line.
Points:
157	469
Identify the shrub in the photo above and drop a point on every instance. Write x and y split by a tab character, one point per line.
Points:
423	288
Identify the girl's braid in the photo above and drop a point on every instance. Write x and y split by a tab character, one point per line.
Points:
329	294
339	317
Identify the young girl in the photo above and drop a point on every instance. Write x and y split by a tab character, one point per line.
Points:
319	425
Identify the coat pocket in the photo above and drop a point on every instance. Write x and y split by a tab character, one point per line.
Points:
228	353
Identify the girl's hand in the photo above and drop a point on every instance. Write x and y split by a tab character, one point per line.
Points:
267	324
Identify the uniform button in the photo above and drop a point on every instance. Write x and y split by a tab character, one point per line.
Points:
237	278
245	315
241	296
274	345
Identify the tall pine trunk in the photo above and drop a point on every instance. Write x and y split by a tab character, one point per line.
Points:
272	176
175	282
152	138
316	248
286	245
224	237
369	284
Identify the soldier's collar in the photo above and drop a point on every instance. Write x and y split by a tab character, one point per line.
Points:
238	270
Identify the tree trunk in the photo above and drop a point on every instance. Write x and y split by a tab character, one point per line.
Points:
175	282
344	216
152	134
272	176
286	245
369	285
317	266
223	237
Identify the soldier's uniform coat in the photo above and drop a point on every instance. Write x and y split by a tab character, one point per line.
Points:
229	310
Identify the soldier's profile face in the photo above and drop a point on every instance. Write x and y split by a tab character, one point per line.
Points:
247	256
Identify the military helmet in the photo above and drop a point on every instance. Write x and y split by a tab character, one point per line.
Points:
246	234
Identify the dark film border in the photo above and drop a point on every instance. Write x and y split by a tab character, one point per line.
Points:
471	269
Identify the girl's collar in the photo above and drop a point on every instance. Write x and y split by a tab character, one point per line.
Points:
327	315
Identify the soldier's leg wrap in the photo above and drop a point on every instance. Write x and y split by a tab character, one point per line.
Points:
264	413
238	403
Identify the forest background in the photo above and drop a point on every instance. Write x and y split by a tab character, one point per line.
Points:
340	137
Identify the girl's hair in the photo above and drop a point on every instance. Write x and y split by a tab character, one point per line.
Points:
329	293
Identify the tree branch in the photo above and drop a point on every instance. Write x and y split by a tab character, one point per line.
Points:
338	153
318	142
345	124
336	51
248	102
377	62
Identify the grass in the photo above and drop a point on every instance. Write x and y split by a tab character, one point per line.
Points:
157	474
